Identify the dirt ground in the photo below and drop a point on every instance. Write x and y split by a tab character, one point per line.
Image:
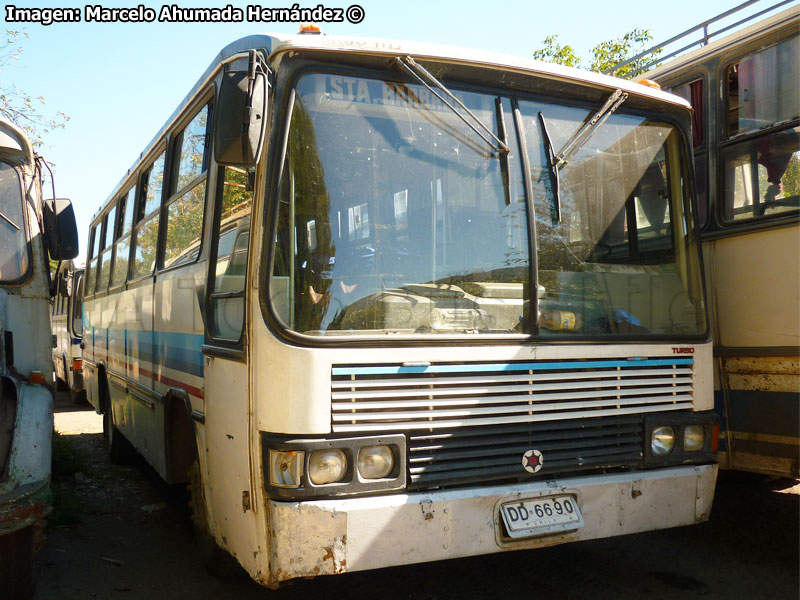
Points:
134	541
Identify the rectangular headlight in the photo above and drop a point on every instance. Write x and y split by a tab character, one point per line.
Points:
286	468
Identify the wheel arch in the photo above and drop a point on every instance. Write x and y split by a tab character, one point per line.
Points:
180	436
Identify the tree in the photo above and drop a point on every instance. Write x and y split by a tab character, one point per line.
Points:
17	105
604	55
556	53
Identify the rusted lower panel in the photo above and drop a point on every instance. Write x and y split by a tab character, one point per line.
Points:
21	519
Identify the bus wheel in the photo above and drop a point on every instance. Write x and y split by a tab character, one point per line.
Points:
120	450
216	560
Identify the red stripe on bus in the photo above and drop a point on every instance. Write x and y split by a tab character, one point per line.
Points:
194	391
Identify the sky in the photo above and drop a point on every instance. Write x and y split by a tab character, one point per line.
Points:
119	82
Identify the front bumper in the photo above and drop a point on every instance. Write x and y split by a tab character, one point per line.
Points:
335	536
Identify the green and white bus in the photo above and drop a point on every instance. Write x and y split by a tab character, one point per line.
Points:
382	303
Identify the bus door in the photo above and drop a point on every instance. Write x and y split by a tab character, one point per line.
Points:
227	393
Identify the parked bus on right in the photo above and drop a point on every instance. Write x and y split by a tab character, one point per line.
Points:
745	92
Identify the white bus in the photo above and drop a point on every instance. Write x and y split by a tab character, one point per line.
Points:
386	303
745	91
67	323
30	229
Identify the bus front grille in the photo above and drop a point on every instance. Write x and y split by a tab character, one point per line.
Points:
419	399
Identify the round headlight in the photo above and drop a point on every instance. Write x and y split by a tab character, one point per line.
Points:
663	441
694	438
375	462
327	466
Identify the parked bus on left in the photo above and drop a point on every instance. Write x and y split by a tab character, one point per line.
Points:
68	330
31	229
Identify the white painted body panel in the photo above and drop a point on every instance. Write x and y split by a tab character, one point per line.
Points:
33	433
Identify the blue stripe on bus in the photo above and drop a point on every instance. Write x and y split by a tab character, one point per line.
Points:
528	366
177	351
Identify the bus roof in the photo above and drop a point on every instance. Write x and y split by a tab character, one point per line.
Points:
274	45
787	17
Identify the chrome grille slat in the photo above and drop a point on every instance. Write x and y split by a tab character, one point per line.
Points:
474	422
480	380
517	407
477	400
506	389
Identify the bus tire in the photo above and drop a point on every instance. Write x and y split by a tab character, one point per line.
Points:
216	560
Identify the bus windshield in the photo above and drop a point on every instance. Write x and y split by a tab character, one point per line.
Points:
396	218
13	242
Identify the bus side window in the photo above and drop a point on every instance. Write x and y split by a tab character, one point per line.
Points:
761	171
146	230
104	264
77	304
228	270
91	269
694	93
185	208
121	253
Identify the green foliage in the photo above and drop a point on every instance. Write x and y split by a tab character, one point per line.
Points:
554	52
604	55
68	459
607	54
790	181
18	106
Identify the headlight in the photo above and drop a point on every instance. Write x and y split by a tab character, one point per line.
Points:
285	468
662	441
375	462
694	438
327	466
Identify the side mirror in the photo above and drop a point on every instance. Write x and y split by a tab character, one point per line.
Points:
240	115
60	229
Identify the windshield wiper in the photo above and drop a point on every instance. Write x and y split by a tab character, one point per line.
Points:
556	160
551	164
422	75
579	139
10	222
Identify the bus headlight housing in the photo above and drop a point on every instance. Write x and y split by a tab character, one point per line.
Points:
662	441
375	462
327	466
302	468
676	438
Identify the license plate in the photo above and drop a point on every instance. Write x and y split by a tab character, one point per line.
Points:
537	516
